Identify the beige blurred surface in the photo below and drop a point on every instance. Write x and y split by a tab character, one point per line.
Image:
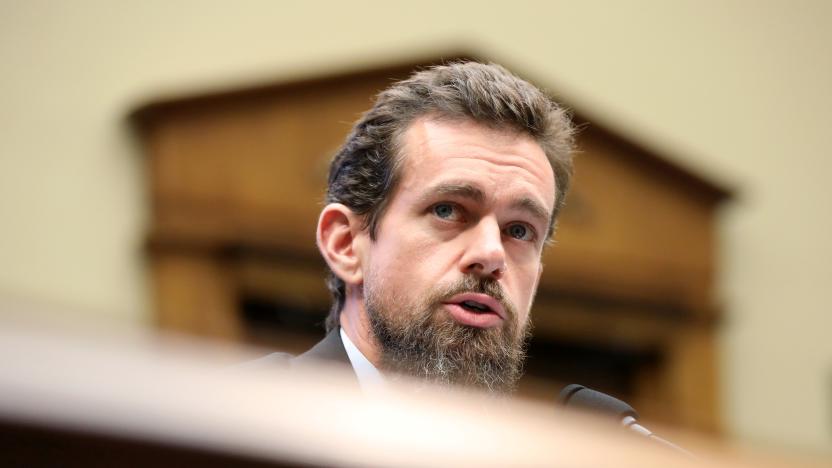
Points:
738	90
162	390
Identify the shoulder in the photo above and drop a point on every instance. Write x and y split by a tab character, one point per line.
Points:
269	361
330	349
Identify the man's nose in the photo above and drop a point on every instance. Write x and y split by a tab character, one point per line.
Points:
484	255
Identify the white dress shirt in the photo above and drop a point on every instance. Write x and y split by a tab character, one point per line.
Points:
368	376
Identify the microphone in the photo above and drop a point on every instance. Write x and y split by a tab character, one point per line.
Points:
579	397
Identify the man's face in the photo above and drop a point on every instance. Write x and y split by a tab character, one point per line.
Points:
450	279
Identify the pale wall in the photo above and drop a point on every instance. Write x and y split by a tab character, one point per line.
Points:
739	90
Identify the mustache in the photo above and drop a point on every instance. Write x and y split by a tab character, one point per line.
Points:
474	284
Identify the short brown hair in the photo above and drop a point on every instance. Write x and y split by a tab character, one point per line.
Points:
364	172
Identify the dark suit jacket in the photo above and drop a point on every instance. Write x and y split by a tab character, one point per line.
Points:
329	350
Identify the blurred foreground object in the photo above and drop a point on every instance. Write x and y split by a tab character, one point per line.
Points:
151	400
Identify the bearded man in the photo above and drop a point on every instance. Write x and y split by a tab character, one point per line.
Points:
439	206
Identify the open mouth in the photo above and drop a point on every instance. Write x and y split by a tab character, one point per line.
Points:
475	306
476	309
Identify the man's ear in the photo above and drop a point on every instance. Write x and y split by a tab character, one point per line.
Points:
339	240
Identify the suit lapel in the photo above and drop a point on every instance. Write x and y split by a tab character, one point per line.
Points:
331	349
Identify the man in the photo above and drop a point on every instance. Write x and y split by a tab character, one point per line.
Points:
439	205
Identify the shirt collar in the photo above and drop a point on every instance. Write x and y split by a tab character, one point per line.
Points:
368	375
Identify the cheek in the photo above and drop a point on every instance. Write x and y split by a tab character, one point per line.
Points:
403	258
525	285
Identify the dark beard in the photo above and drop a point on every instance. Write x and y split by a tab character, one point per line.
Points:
425	342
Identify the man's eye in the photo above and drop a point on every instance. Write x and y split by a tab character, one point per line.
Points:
520	232
445	211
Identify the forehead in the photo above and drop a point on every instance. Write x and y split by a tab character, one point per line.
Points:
499	162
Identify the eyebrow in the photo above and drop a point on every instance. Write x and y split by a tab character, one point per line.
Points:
475	194
459	190
533	208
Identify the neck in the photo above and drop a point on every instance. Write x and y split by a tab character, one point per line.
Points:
356	325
